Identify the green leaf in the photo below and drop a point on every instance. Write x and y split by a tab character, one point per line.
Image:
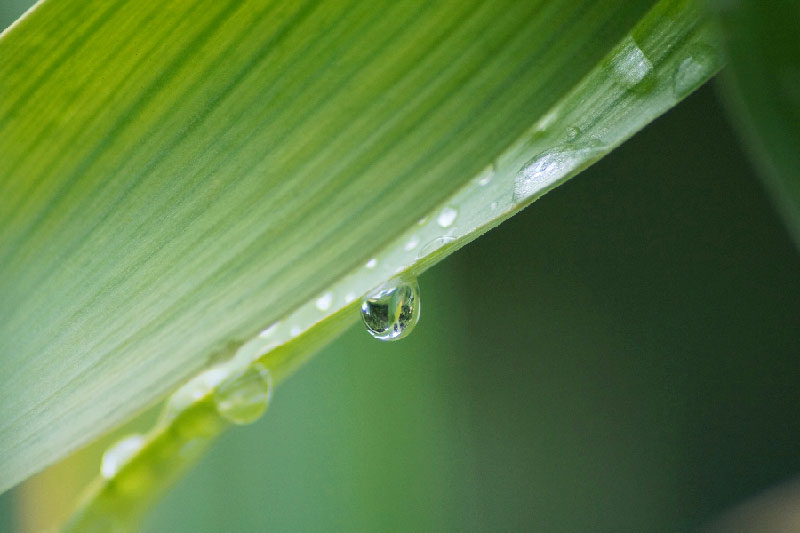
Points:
177	178
762	40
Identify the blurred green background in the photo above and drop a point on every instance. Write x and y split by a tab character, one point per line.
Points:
621	356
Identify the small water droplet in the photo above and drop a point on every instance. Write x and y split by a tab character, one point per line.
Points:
693	70
494	206
268	331
295	331
412	243
244	397
485	177
434	245
392	311
572	133
372	263
548	167
422	221
324	302
630	65
349	297
447	217
119	453
547	119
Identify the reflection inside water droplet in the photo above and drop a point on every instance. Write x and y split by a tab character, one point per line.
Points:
243	398
391	312
119	453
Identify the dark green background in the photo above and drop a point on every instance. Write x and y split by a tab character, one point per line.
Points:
621	356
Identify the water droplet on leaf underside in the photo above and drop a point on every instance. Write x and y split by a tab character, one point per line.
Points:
243	398
119	453
391	311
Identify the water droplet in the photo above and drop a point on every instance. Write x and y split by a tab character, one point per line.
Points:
629	65
268	331
693	70
548	167
434	245
193	390
485	177
349	297
295	331
494	206
422	221
447	217
392	311
372	263
412	243
244	397
324	302
547	119
119	453
572	133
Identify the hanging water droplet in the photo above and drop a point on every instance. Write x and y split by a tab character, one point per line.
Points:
244	397
629	65
447	217
691	72
392	311
119	453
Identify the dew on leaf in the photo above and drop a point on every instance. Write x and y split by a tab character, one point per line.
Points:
391	311
243	398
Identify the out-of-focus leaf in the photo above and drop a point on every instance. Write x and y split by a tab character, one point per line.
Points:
763	42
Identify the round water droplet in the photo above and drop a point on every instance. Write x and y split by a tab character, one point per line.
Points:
572	133
324	302
447	217
630	65
691	72
392	311
412	243
244	397
485	177
372	263
119	453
